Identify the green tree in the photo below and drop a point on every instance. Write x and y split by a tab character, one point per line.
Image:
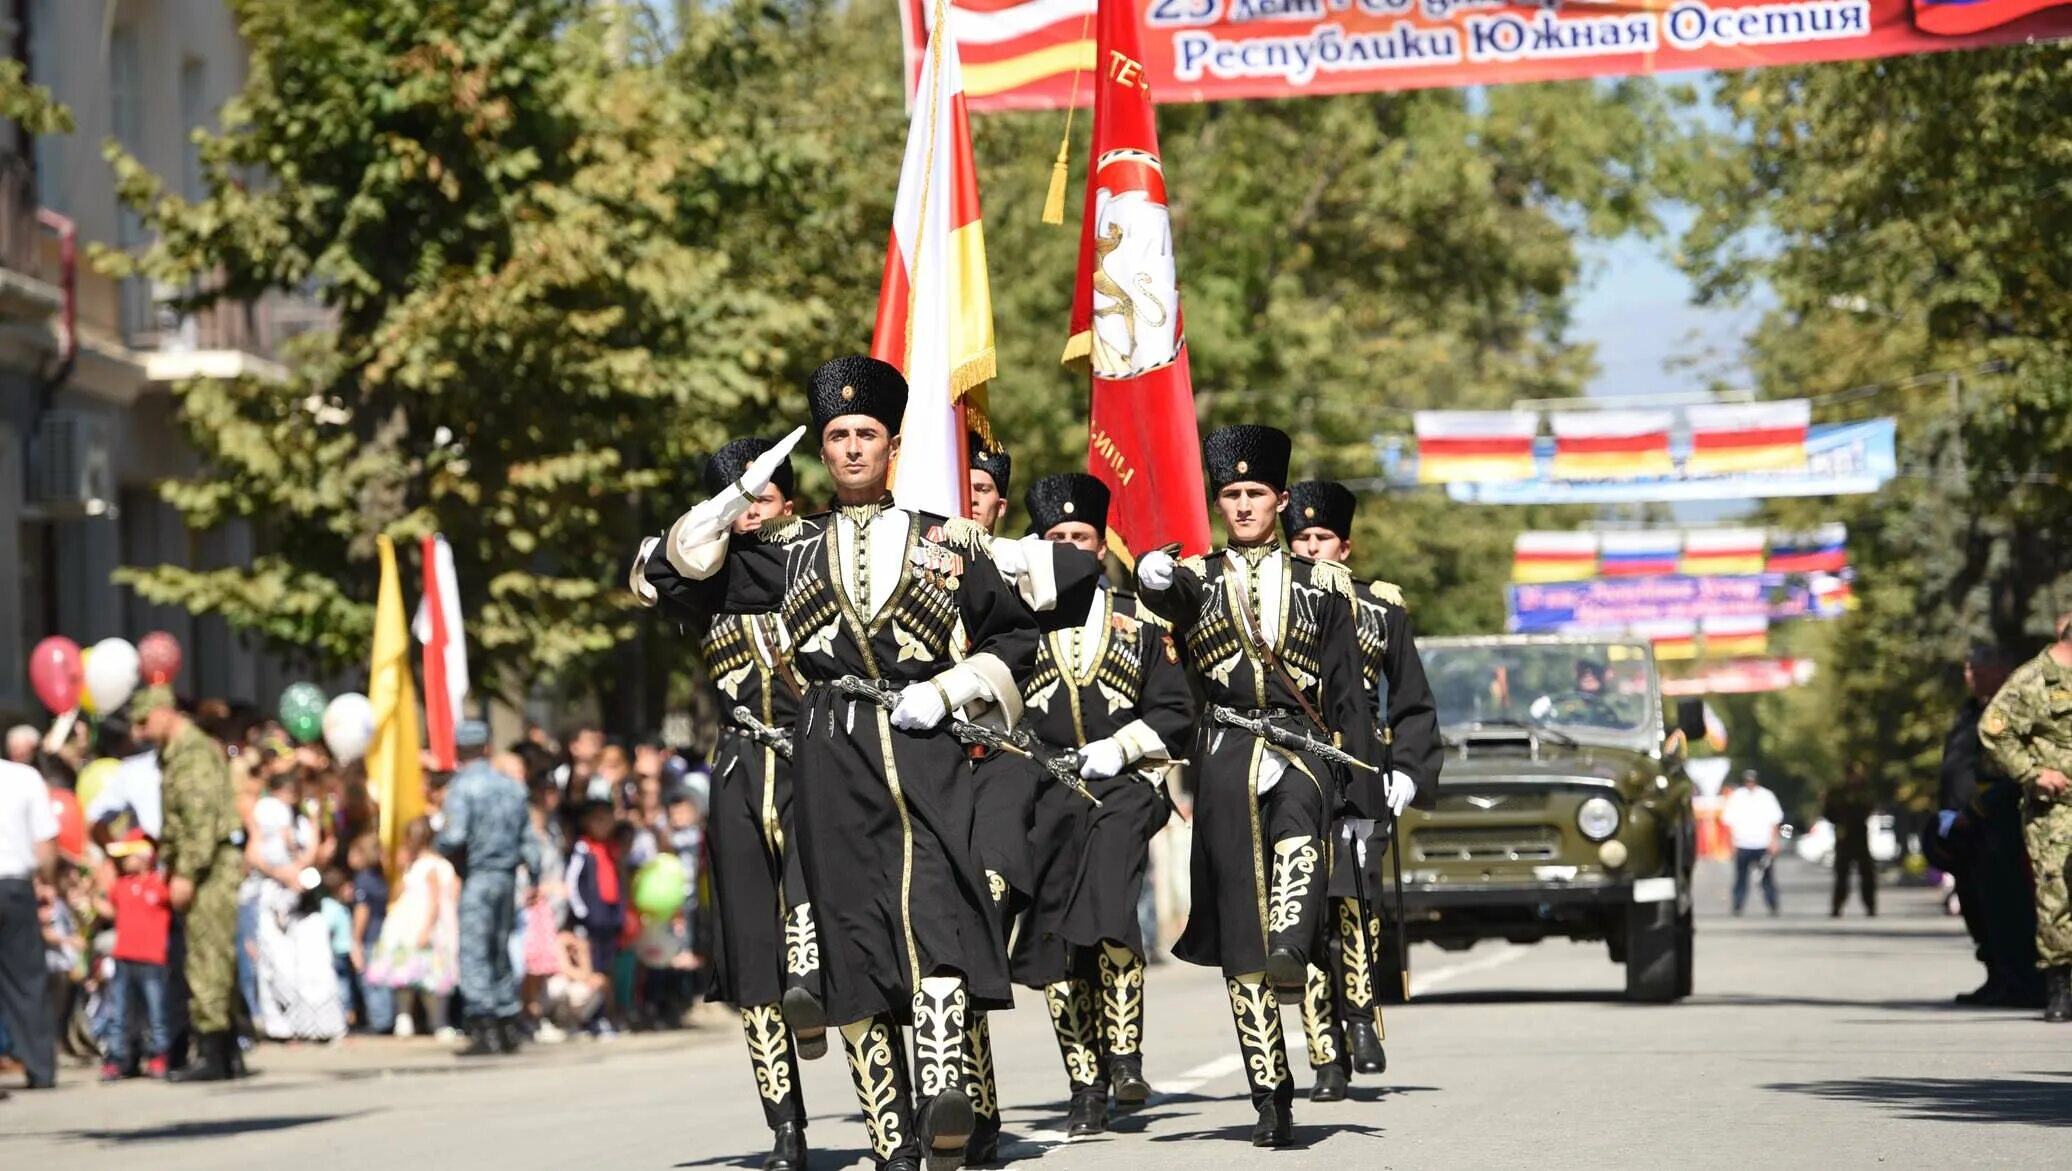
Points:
511	220
1902	211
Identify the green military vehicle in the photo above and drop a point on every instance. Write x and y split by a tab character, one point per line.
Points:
1563	809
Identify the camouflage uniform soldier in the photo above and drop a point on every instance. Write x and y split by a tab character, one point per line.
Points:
486	836
205	866
2028	730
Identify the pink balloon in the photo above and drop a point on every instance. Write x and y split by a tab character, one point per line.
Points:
57	673
158	657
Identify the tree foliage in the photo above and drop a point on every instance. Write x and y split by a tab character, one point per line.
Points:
1903	211
566	257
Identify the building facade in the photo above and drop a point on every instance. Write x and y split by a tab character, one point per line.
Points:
88	363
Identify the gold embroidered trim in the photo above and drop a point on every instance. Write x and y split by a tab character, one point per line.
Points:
769	1050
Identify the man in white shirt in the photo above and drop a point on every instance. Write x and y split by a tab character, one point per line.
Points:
1755	822
28	850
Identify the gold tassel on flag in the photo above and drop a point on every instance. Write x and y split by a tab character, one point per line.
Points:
1061	170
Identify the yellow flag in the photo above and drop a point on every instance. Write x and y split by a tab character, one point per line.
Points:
395	771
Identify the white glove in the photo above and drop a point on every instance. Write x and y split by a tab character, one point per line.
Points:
1155	570
1100	760
637	579
763	468
1010	559
1398	790
921	707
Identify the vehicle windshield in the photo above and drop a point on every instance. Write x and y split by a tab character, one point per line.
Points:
1601	687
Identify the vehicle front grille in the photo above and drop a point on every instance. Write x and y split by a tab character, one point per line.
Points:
1493	801
1503	843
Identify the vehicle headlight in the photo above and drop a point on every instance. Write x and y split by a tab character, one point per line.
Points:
1598	818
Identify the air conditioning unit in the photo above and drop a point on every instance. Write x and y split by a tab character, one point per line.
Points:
71	469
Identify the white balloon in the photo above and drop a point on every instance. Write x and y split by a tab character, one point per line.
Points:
111	674
349	726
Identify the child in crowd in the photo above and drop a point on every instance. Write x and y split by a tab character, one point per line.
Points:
543	915
142	908
370	899
338	920
419	949
596	906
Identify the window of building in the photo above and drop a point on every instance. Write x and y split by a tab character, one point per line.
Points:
194	113
126	124
43	67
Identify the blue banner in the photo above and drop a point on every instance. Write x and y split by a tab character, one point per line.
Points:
1610	604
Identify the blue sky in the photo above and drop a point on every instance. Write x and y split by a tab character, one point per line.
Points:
1635	306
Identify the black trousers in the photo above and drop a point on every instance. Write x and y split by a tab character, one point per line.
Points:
1854	854
24	983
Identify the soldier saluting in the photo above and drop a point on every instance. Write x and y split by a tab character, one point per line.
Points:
876	592
1110	689
769	950
1272	639
1319	523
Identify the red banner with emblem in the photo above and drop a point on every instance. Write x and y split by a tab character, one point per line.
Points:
1035	54
1142	439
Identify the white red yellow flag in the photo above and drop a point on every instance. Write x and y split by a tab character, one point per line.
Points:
935	307
438	627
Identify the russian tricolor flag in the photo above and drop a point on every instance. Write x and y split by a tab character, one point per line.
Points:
1821	551
1539	557
1610	445
1639	554
1957	18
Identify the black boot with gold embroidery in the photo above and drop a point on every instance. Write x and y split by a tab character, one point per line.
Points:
879	1071
1259	1041
1327	1050
982	1149
1122	1022
803	1012
1295	902
776	1066
943	1104
1357	951
1071	1005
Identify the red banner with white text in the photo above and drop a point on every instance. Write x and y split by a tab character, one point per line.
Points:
1039	54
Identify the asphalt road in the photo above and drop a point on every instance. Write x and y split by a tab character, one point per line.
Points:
1810	1042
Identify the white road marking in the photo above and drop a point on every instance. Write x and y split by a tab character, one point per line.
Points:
1423	982
1029	1142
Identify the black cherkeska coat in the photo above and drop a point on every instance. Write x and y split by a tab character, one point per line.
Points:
885	816
1090	860
1234	828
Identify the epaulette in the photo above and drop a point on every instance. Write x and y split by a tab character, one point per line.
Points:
781	530
1140	611
966	534
1387	591
1331	576
1197	564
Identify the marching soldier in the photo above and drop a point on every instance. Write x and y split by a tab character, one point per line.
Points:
205	868
1111	690
768	950
1004	801
2028	730
487	835
1319	522
1272	639
878	600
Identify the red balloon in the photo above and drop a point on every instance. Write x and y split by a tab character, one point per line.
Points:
57	673
158	657
64	803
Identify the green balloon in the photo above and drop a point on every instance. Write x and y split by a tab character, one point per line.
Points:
659	887
302	711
